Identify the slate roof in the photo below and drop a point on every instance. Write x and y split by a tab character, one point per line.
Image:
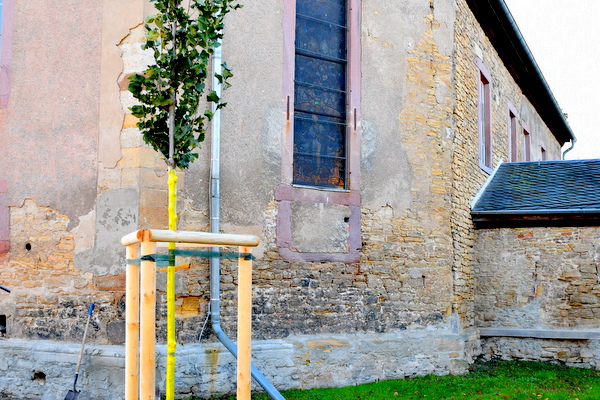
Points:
540	188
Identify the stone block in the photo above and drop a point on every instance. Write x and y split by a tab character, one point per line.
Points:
137	157
112	283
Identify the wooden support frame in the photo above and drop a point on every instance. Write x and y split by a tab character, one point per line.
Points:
140	338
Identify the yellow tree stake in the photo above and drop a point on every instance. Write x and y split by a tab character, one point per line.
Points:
171	341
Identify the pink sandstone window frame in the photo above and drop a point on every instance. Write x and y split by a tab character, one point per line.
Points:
6	51
526	142
287	193
484	117
544	153
513	133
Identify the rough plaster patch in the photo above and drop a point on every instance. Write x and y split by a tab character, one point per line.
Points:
368	143
108	178
127	101
526	316
444	13
443	89
381	154
319	227
131	137
85	233
271	136
116	216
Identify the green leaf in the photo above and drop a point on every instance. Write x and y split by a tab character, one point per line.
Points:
213	97
137	111
226	71
152	34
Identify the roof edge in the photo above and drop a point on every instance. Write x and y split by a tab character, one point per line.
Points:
558	211
484	187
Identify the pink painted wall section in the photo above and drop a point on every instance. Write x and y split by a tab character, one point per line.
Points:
6	52
51	129
4	218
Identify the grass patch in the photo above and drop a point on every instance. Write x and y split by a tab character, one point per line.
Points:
497	380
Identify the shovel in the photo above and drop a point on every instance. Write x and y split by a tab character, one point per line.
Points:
74	394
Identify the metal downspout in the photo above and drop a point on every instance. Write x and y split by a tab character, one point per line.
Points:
215	227
570	148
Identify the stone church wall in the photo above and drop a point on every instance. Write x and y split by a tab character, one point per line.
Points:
402	307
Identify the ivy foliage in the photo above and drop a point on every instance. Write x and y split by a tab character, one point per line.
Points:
178	76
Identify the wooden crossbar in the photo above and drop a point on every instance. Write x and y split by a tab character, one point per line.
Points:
215	239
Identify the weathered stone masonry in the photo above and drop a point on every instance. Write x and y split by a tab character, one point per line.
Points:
539	278
470	45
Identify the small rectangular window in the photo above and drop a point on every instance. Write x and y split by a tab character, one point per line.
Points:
513	152
526	144
485	118
544	155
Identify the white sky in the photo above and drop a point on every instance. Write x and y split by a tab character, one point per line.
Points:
564	37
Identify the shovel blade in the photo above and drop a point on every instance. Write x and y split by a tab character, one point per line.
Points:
72	395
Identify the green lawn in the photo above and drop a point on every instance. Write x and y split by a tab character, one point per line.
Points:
489	381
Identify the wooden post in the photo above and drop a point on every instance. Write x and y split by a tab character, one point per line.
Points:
132	318
147	321
244	336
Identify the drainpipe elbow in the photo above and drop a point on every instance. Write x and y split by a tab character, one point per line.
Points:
570	148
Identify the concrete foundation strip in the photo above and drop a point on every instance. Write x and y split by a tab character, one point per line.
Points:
539	333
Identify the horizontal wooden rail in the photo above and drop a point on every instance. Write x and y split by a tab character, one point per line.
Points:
215	239
539	333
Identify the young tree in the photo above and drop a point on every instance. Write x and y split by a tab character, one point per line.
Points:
182	38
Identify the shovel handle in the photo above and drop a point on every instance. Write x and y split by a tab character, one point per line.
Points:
87	324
